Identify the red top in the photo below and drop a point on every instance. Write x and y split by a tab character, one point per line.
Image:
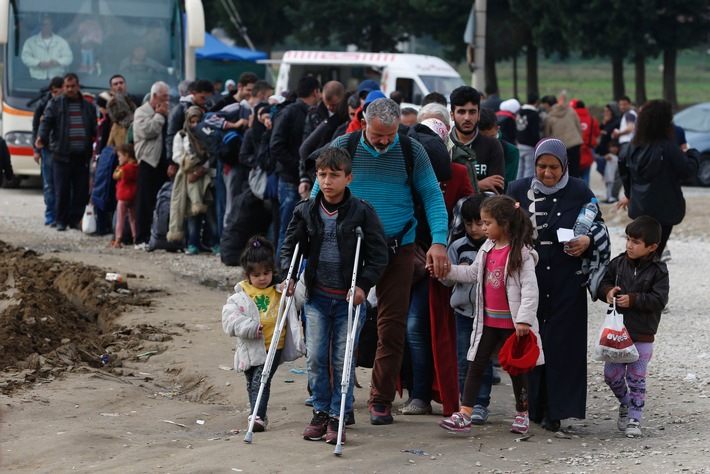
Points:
127	185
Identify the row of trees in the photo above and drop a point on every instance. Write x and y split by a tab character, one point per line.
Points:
620	30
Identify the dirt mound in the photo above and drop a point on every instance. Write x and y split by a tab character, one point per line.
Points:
56	316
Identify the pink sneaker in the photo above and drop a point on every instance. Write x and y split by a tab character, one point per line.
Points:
521	424
459	422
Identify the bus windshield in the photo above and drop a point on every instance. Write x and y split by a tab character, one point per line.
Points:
139	39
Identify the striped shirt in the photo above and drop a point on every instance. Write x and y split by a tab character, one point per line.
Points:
382	180
77	130
330	269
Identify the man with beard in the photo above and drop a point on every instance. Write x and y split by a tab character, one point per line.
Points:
490	161
387	180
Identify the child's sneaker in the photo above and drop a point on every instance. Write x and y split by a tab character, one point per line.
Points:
623	420
633	428
192	250
479	415
521	423
331	436
317	428
259	424
116	244
459	422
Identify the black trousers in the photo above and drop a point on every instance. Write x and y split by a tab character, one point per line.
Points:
71	189
149	182
574	155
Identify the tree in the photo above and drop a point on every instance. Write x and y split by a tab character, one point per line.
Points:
680	24
373	25
266	23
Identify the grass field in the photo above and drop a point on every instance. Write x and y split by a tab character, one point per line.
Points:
590	80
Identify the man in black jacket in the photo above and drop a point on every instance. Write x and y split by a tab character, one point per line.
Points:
44	157
68	128
286	139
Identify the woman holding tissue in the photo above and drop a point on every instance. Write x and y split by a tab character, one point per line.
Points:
553	200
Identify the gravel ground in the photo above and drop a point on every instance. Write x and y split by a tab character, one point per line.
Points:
676	416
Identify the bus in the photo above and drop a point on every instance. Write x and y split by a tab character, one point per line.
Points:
143	40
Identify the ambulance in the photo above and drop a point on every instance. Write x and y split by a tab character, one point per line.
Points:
414	75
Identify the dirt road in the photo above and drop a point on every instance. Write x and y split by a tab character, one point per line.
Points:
167	401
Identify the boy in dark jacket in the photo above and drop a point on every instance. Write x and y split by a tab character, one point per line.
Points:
639	281
324	227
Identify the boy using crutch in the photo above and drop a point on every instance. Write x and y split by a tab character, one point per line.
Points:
324	226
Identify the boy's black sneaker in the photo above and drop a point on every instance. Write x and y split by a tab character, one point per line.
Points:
331	436
380	415
317	428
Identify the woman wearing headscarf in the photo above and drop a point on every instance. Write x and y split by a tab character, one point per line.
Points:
653	167
553	199
192	196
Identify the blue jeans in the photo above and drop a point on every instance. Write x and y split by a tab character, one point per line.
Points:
464	328
288	198
220	194
326	329
419	341
194	226
253	378
48	185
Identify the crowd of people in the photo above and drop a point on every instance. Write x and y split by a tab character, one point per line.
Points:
450	265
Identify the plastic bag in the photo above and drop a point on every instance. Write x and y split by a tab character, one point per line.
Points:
614	343
88	222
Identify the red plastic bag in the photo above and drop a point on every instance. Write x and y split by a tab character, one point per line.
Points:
614	343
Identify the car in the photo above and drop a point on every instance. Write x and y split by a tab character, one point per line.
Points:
695	121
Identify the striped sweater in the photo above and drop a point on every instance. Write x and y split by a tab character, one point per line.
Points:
381	179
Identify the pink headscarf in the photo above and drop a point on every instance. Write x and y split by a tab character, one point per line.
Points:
440	129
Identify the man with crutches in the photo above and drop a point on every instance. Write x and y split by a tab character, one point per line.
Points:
324	229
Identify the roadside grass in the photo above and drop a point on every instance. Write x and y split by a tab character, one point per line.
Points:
590	80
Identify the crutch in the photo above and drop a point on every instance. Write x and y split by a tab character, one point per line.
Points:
349	345
281	318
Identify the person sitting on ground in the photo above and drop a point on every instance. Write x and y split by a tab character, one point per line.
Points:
324	227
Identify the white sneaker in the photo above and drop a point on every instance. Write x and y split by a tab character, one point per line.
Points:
633	429
623	421
141	246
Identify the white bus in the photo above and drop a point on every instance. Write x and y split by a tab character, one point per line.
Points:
143	40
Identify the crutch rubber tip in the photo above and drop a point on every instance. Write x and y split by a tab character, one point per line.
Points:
247	438
338	450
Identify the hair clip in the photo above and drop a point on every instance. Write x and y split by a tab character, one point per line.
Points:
256	244
517	205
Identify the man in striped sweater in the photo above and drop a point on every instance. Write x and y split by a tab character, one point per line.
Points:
381	176
68	129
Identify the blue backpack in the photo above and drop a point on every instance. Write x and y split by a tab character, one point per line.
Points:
221	144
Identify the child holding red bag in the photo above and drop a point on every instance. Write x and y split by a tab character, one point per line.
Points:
507	298
638	279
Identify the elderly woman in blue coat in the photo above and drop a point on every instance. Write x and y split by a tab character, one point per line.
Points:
553	199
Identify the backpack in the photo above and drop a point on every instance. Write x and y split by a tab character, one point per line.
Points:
161	221
221	144
103	196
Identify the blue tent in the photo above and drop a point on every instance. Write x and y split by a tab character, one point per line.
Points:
215	49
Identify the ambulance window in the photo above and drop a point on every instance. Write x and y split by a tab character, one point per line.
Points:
411	92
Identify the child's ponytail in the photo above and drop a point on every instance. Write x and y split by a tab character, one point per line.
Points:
516	223
258	252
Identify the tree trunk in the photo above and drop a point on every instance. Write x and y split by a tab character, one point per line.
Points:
640	68
491	75
515	76
669	67
531	62
617	68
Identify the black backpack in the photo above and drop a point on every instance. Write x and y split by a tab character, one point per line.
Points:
221	144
